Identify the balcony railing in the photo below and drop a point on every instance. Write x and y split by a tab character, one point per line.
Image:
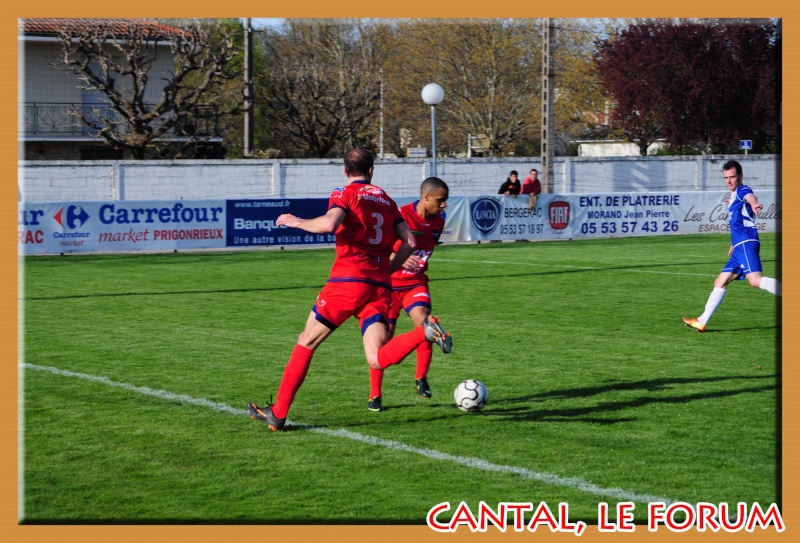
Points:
58	119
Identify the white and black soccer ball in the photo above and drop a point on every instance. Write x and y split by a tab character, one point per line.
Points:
471	396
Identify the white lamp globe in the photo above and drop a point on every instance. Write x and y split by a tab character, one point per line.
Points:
432	94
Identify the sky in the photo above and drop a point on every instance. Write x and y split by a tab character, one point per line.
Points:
262	23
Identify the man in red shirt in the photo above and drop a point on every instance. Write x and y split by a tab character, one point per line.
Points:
366	222
425	219
532	186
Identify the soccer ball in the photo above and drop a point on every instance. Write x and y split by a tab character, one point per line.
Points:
471	396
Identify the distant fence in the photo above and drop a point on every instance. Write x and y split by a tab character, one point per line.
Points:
63	181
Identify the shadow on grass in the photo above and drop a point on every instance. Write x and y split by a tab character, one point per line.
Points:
504	409
579	414
585	414
586	269
316	287
319	286
650	385
777	327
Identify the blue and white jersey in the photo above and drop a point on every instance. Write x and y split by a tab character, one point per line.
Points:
742	219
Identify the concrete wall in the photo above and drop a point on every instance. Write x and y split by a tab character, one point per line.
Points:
46	181
612	149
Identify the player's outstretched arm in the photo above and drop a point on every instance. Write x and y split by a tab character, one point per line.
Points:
754	203
324	224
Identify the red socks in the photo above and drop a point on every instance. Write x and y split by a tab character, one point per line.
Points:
392	353
375	382
400	347
424	357
293	376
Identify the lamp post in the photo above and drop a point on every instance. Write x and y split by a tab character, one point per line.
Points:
433	94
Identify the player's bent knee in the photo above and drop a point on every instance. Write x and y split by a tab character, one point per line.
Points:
754	279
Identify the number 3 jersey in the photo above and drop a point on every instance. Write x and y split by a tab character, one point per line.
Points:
364	239
427	232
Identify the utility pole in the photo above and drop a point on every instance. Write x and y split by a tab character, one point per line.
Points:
548	92
381	72
248	89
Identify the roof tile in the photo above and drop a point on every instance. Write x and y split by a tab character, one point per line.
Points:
117	27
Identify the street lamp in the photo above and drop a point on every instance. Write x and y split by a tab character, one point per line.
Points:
433	94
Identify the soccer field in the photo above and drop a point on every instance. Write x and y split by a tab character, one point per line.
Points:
138	368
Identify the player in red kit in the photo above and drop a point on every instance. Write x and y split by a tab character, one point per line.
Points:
366	222
425	219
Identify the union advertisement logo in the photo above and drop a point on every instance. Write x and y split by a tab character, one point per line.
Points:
485	214
71	216
558	213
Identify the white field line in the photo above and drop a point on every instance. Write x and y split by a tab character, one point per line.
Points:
474	463
587	268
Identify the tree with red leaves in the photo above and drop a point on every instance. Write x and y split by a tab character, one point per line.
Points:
700	84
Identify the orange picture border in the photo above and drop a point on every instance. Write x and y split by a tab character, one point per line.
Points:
11	531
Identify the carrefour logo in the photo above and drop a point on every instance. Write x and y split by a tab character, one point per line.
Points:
71	217
485	213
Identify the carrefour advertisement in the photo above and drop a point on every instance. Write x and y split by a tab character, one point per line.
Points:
79	227
73	227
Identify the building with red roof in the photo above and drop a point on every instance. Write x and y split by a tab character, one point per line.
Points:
49	96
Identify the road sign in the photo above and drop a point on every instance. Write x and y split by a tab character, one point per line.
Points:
747	145
480	142
417	152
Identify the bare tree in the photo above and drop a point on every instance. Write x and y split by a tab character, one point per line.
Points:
137	109
322	86
493	67
581	104
489	69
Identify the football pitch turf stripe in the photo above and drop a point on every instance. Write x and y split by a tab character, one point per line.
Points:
470	462
568	266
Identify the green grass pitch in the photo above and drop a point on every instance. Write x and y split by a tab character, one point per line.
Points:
139	367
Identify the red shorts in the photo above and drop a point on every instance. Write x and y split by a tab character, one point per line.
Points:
408	299
337	302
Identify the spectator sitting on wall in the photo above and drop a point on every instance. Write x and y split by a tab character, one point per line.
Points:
512	186
533	187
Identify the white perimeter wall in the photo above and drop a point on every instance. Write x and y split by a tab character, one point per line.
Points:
45	181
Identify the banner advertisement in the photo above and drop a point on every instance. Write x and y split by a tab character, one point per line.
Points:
80	227
575	216
252	222
95	227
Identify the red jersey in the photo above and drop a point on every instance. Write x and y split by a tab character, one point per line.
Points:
531	186
364	239
427	233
